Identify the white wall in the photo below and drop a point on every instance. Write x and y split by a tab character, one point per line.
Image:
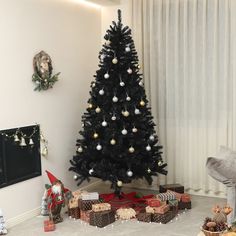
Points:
70	32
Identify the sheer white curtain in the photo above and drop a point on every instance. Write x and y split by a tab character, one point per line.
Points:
187	49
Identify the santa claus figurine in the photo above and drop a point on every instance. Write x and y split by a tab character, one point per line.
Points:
57	196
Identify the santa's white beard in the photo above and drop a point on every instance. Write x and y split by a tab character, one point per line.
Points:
56	189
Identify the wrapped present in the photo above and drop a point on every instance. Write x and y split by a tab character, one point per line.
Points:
49	226
163	218
74	212
101	207
144	216
73	202
174	187
153	202
177	195
86	205
90	196
160	210
126	213
102	218
173	204
85	216
184	205
185	197
166	196
151	210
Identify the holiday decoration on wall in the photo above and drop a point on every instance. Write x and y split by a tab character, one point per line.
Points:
57	195
44	145
3	229
42	76
118	143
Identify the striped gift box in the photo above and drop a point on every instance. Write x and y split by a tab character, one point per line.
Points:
166	196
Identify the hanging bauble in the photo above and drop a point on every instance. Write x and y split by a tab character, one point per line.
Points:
124	131
98	110
16	138
75	177
102	57
31	142
140	83
137	111
107	42
104	123
148	148
129	173
134	130
106	76
152	137
114	60
139	67
91	171
160	163
90	106
22	142
82	125
113	141
119	183
127	49
148	170
128	98
115	99
99	147
142	103
95	135
93	84
113	117
125	113
129	71
80	149
131	149
122	84
101	92
45	151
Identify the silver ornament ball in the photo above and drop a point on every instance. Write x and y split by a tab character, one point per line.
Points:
128	98
122	84
148	170
127	49
113	141
131	149
160	163
101	92
124	131
129	71
134	130
151	137
80	149
137	111
99	147
104	123
113	118
106	76
115	60
91	171
115	99
75	177
148	148
129	173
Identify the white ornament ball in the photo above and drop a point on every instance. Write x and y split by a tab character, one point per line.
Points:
140	83
122	84
108	42
37	82
137	111
106	76
80	149
101	92
148	170
91	171
126	113
129	71
129	173
113	141
148	148
151	137
99	147
102	57
119	183
128	98
98	110
127	49
131	149
104	123
124	131
115	99
75	177
134	130
113	117
115	60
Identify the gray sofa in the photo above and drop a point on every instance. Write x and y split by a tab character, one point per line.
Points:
223	169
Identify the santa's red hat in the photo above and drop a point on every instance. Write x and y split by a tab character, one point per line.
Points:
51	177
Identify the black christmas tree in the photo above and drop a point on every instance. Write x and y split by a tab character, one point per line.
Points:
118	143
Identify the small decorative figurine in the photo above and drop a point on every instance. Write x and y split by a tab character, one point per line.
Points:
3	229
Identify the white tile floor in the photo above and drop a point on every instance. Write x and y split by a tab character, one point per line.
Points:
187	224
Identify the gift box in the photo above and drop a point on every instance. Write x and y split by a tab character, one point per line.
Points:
153	202
151	210
144	216
101	207
177	195
49	226
160	210
184	205
173	205
166	196
85	216
90	196
174	187
163	218
102	218
126	213
185	197
86	205
74	212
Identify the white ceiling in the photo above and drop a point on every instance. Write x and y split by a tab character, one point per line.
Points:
105	2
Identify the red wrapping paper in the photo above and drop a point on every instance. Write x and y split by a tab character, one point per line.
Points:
49	226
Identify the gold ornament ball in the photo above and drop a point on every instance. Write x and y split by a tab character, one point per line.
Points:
119	183
131	150
113	141
142	103
115	60
90	106
126	113
95	135
98	110
139	66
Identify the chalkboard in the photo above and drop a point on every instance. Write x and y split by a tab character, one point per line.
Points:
19	163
